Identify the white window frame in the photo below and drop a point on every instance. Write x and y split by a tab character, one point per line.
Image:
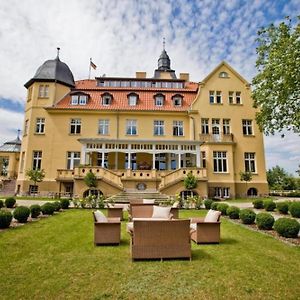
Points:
178	129
231	97
159	127
177	101
37	160
215	126
247	127
73	159
40	126
226	126
132	100
106	100
44	91
131	127
82	99
238	97
215	97
103	128
75	126
159	100
205	126
220	164
74	99
250	162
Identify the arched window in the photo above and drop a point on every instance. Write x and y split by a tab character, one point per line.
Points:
252	192
132	99
187	193
223	75
159	99
106	99
177	100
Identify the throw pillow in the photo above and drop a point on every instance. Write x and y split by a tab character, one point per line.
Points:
161	212
212	216
100	217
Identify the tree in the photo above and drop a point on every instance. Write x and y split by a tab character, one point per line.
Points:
35	175
276	87
90	180
190	181
279	179
247	177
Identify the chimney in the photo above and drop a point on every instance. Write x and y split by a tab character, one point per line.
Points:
184	76
140	74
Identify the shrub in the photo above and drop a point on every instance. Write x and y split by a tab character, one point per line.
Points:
222	207
264	221
208	203
1	204
10	202
287	227
294	209
57	205
48	208
282	207
21	214
65	203
35	210
258	203
5	218
269	205
233	212
247	216
214	205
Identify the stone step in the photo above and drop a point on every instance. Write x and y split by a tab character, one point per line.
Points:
126	197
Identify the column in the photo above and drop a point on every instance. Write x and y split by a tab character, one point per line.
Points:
198	157
102	159
129	160
82	155
179	160
153	161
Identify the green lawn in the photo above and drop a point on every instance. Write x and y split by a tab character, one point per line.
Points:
55	258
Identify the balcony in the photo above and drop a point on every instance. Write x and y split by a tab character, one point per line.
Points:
216	138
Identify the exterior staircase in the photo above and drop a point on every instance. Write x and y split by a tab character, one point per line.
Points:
127	196
8	188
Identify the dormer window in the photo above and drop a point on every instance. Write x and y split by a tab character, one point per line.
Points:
79	99
82	100
159	99
132	99
74	100
177	100
223	75
107	99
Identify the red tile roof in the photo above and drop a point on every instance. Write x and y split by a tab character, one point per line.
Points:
120	100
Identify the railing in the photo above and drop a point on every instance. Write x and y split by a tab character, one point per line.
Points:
179	174
64	174
138	174
216	138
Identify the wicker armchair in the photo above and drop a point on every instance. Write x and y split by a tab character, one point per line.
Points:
205	232
161	239
107	233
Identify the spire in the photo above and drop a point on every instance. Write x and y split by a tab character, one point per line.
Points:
164	62
18	134
164	43
58	49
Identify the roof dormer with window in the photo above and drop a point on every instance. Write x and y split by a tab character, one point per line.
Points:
177	100
106	99
79	98
159	99
132	99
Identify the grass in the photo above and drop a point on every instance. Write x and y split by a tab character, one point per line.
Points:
55	258
247	200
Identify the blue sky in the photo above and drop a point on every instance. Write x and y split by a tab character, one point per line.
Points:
125	36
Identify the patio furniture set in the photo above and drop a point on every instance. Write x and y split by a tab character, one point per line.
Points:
156	232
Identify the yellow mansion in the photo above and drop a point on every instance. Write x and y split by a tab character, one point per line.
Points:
142	133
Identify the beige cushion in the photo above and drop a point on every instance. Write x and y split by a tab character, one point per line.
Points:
193	226
148	201
175	204
129	227
212	216
149	219
100	217
161	212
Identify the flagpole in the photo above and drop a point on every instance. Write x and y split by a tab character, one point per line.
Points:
90	68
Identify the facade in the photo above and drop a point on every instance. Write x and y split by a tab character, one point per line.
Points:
141	133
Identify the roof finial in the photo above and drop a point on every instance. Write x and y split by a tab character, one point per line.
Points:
19	131
58	49
164	43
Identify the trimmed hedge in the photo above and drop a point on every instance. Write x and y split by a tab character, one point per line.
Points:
21	214
269	205
294	209
5	219
247	216
1	204
35	210
57	205
264	221
214	205
65	203
258	204
10	202
222	207
208	203
233	212
48	208
282	207
287	227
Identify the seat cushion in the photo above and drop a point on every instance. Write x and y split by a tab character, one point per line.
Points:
161	212
148	201
212	216
129	227
193	226
100	217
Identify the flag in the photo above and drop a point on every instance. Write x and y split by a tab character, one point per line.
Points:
93	65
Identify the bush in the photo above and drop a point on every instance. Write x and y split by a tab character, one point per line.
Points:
233	212
258	203
57	205
48	208
65	203
35	210
1	204
294	209
21	214
282	207
247	216
264	221
10	202
5	218
208	203
214	205
287	227
269	205
222	207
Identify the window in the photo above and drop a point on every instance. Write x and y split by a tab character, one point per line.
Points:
203	157
73	160
43	91
230	97
178	128
37	160
29	94
215	97
75	126
74	100
215	126
40	125
234	97
177	100
220	192
82	100
33	189
204	126
226	126
250	162
223	75
238	98
159	100
106	99
26	127
103	163
132	99
220	161
131	127
103	127
159	127
247	127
